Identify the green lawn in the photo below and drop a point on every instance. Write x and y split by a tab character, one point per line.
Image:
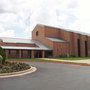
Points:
47	60
29	59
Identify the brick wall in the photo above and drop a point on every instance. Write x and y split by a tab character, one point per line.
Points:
51	32
88	46
60	49
41	36
70	37
82	44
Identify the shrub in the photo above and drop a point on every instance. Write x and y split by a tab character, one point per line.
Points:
1	58
2	55
9	67
5	69
19	66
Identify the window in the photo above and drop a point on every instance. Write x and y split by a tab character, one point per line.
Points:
9	51
78	45
86	48
17	52
37	33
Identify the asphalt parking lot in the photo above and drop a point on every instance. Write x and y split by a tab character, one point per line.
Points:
50	76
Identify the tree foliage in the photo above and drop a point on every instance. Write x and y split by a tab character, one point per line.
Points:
2	55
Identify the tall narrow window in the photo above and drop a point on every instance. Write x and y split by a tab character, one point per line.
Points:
86	49
78	45
37	33
9	51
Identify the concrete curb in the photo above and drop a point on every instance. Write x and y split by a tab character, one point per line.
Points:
20	73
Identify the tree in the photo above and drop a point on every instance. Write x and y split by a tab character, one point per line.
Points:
2	55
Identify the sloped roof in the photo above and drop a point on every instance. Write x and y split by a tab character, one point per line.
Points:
55	39
26	41
39	44
16	40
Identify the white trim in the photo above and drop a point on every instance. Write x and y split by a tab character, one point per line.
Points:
20	73
25	48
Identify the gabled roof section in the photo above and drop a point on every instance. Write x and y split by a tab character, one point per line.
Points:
39	44
16	40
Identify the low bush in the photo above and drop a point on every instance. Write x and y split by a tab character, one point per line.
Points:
13	67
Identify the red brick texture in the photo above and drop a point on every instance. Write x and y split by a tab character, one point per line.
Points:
60	49
76	44
41	36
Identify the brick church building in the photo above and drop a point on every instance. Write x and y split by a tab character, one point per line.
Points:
48	41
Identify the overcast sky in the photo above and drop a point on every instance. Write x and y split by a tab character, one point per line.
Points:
19	17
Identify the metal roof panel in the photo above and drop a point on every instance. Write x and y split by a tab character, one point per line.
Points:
55	39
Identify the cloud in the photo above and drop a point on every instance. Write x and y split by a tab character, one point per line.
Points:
6	33
19	17
15	15
61	13
6	6
69	14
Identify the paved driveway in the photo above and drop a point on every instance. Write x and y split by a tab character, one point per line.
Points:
50	76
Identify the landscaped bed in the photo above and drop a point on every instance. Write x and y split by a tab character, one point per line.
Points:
9	67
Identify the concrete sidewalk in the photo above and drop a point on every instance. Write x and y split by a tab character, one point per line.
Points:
85	61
